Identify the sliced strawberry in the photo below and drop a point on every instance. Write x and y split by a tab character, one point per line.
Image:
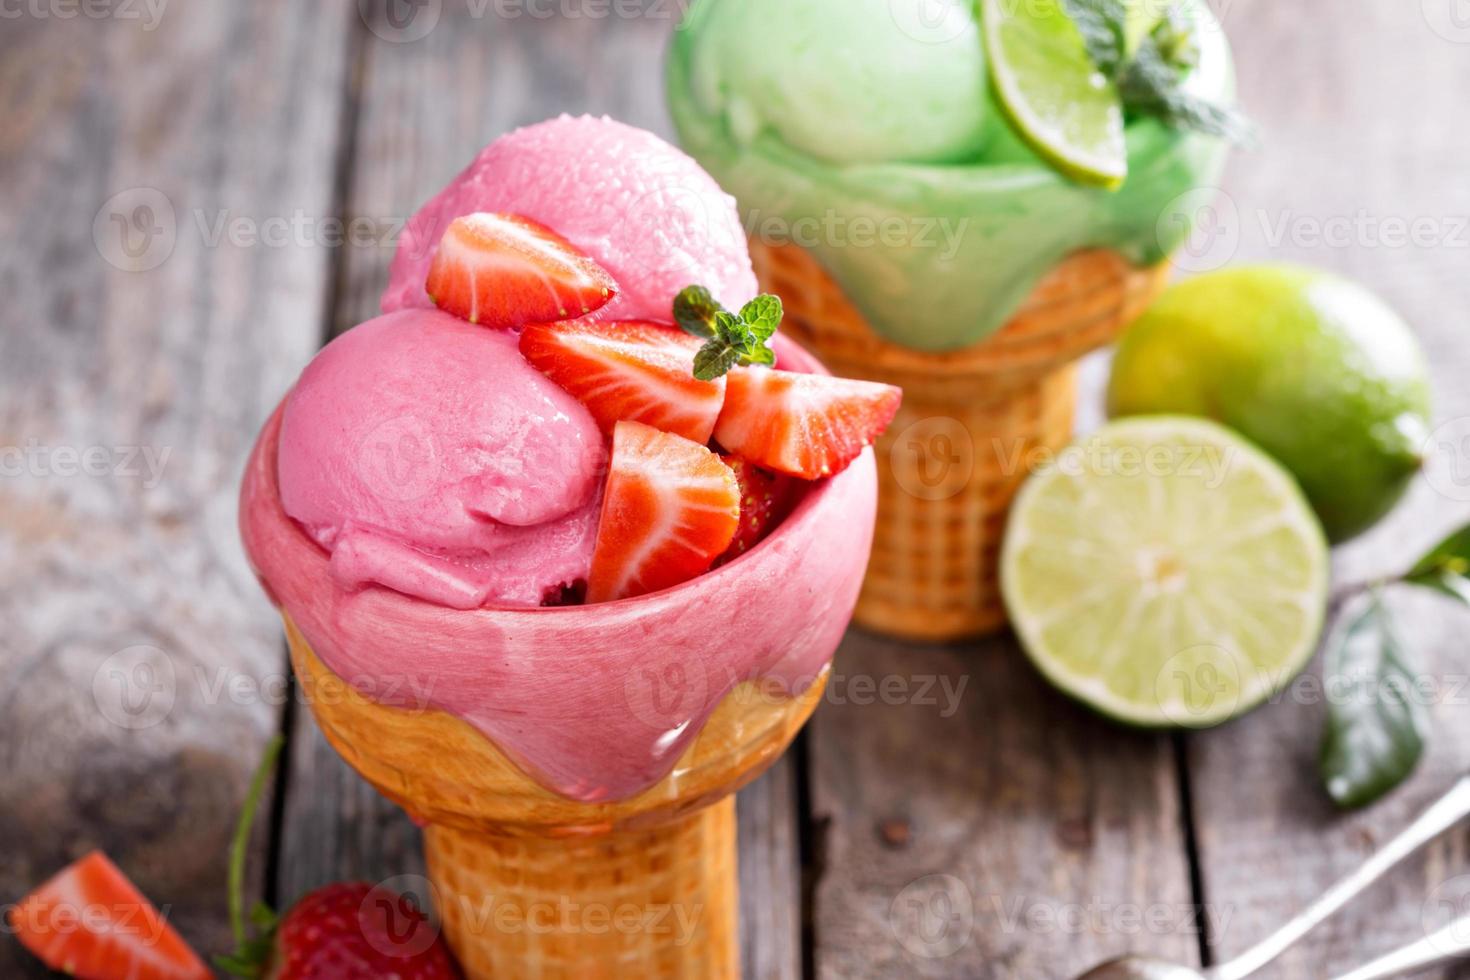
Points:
670	508
91	922
806	425
764	498
630	370
503	270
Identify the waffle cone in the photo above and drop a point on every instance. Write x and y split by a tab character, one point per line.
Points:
972	421
531	884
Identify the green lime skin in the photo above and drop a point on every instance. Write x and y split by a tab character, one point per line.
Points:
1315	369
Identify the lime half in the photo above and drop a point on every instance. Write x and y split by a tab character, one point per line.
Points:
1165	572
1059	102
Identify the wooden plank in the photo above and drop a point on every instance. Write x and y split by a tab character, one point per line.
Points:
1355	139
978	825
770	874
133	377
427	106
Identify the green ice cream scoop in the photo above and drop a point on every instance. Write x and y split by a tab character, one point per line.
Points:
844	81
866	131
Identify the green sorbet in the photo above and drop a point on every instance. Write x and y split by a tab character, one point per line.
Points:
866	132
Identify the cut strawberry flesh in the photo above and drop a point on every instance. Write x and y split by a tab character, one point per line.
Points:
671	507
91	922
629	370
805	425
504	270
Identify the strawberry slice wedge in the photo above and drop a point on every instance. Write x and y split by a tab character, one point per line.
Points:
671	507
806	425
628	370
504	270
91	922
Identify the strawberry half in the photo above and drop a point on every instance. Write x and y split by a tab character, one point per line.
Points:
504	270
806	425
628	370
764	498
91	922
670	508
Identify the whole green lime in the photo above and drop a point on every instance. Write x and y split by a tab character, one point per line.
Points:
1314	369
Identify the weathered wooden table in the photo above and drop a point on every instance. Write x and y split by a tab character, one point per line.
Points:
194	195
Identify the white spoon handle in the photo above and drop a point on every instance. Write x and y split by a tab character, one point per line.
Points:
1450	943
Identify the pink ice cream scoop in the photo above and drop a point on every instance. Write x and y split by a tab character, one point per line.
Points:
426	455
423	452
644	210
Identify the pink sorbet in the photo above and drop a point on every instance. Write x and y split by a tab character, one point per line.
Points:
426	455
596	702
644	210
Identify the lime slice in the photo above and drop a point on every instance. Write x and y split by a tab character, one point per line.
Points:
1165	572
1066	109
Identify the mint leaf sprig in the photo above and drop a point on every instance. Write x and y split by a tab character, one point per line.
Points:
1150	81
730	338
1101	23
1152	84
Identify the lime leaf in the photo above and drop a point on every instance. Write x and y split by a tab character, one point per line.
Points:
1376	725
1446	568
1062	104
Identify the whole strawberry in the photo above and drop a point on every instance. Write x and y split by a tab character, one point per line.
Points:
354	929
345	931
764	498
